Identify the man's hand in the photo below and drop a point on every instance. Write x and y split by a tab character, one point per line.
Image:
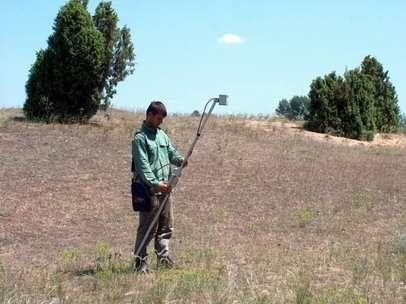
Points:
164	187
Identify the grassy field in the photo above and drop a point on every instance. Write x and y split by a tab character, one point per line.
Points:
265	213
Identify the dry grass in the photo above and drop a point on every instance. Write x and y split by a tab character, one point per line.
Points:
262	215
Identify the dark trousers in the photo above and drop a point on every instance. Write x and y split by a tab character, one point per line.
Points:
162	230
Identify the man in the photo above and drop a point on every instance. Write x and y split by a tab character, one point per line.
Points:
153	155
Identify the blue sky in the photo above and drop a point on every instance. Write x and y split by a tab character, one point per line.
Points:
274	50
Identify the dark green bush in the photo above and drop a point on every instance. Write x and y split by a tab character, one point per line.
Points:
356	105
326	104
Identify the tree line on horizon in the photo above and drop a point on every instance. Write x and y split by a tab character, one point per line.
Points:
356	105
86	57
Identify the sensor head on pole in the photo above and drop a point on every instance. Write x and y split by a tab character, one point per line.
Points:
223	100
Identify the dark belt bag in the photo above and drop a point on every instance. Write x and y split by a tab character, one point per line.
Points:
141	197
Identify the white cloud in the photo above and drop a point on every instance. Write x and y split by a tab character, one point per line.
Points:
230	39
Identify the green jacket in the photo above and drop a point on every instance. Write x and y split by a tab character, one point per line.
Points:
153	154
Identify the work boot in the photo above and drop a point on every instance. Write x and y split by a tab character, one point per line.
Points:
140	265
165	262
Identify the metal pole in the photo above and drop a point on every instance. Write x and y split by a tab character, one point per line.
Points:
192	146
175	177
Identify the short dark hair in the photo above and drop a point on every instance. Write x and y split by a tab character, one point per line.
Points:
157	107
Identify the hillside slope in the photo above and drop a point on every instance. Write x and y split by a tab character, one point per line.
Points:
269	204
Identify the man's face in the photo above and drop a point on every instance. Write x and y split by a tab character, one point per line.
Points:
155	120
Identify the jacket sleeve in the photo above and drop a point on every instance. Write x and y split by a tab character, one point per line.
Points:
141	162
174	157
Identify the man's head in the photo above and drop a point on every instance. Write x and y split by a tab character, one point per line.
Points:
156	113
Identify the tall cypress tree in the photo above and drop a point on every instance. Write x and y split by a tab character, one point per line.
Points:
77	54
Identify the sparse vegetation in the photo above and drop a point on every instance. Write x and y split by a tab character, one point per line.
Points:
304	217
263	215
3	121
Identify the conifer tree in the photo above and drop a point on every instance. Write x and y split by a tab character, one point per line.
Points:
385	98
119	56
84	61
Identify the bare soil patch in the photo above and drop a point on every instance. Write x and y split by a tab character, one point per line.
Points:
381	139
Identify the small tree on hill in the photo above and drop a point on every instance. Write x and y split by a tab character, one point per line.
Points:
299	106
295	109
283	108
